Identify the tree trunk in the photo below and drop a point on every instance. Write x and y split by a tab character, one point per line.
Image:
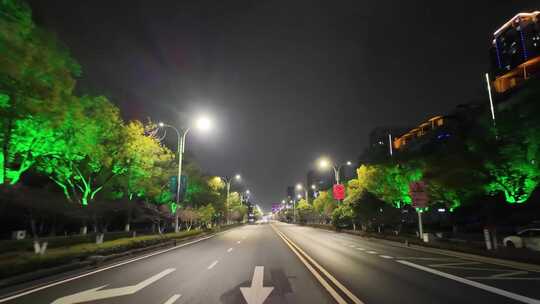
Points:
5	150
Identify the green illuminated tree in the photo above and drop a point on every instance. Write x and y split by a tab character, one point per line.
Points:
514	172
343	216
324	205
206	215
94	150
390	182
305	211
36	82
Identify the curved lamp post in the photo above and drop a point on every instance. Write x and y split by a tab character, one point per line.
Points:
203	123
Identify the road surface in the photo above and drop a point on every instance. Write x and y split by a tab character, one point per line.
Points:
282	263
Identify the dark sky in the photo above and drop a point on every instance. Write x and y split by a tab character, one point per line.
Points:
286	81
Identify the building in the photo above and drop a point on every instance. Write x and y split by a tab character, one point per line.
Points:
429	126
515	52
290	193
323	180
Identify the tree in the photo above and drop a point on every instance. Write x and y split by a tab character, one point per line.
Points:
94	150
390	182
206	215
238	212
189	216
342	216
36	82
324	205
305	211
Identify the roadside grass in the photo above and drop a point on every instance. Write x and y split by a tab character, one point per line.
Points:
13	263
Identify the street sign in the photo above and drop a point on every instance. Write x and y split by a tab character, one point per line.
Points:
339	192
418	193
172	184
183	186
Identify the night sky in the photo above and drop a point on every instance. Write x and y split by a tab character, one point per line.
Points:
286	81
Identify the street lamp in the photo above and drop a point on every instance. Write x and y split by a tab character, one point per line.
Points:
324	163
299	187
228	182
203	123
247	192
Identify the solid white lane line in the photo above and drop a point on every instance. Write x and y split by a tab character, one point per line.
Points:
238	242
371	252
32	290
478	285
214	263
230	249
386	257
173	299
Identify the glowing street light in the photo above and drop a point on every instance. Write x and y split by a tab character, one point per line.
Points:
325	163
202	123
228	182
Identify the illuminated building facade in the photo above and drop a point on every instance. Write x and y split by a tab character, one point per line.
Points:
421	130
515	51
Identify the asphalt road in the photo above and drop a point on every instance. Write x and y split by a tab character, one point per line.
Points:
283	263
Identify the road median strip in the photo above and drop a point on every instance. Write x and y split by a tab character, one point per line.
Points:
318	271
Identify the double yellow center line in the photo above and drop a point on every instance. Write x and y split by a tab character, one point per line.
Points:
318	272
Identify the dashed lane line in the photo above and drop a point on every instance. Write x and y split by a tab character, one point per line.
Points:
230	249
33	289
386	257
371	252
238	242
360	248
173	299
214	263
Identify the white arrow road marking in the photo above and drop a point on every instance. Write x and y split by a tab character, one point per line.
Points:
97	294
256	294
173	299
